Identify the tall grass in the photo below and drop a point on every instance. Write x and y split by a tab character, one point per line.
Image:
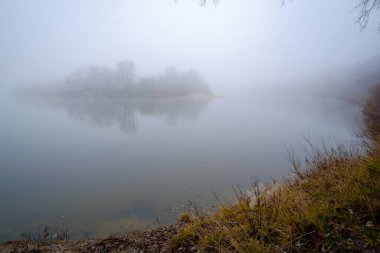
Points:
331	204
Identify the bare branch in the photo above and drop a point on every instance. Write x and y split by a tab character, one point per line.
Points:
366	8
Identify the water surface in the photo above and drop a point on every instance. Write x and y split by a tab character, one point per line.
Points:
107	166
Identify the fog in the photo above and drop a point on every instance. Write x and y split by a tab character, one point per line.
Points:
235	45
117	113
123	113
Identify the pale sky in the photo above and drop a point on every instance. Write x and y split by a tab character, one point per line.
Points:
236	43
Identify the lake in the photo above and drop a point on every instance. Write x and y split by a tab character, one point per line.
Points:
98	166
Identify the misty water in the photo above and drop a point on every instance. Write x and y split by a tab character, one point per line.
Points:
100	166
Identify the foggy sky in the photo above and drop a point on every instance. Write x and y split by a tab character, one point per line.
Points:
238	43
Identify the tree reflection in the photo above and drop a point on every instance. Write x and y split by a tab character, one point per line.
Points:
124	113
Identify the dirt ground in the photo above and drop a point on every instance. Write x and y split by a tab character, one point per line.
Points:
157	240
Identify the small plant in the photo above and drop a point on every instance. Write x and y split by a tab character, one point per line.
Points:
187	235
46	233
184	217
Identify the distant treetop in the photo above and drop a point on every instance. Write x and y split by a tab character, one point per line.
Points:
121	82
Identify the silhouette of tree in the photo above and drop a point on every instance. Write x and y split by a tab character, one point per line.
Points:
364	7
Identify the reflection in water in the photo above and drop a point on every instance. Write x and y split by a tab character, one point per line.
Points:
96	181
123	113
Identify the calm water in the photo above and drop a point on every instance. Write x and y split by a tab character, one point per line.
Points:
104	166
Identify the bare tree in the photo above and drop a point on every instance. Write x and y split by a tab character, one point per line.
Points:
204	2
365	8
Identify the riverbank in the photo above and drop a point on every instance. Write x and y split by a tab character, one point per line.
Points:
332	204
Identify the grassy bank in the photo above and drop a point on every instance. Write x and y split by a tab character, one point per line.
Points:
330	204
335	207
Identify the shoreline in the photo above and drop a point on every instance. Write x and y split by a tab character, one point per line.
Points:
332	204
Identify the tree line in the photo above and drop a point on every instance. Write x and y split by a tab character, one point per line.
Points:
121	82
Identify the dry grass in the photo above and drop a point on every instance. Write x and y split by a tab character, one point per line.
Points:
335	207
332	204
